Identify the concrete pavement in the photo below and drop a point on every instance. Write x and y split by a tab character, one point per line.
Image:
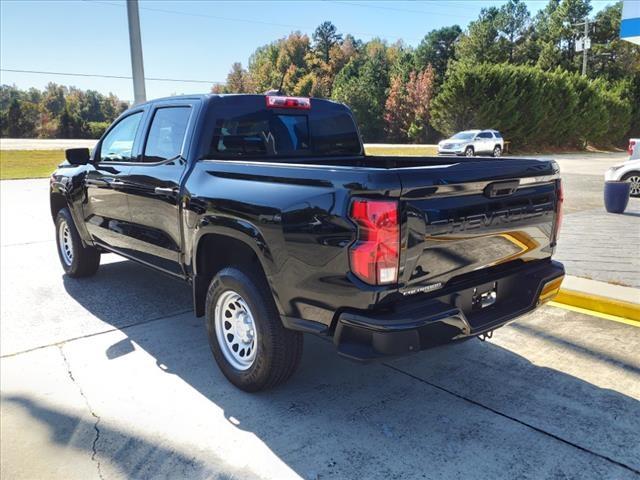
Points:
583	178
147	402
111	377
602	246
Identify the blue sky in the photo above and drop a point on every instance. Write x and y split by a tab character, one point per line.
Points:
194	39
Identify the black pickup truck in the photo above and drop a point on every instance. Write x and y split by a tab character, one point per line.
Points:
268	207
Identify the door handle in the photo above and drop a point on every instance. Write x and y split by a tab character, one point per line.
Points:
165	191
97	182
101	182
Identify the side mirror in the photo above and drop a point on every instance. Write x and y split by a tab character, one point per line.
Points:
77	156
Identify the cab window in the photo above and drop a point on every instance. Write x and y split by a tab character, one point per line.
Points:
241	127
117	146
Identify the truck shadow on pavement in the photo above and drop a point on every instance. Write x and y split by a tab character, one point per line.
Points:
134	457
467	410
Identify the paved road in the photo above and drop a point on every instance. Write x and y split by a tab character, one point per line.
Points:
595	244
111	377
583	177
44	144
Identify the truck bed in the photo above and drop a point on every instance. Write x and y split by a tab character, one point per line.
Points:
450	227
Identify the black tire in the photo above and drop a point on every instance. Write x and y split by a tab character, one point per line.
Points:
468	152
278	350
497	151
84	260
635	187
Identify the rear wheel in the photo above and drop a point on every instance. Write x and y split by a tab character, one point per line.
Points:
634	179
468	152
247	338
76	259
497	151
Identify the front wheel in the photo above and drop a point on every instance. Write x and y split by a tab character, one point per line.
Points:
634	179
77	260
246	336
468	152
497	151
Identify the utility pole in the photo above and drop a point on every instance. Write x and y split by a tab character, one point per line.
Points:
135	42
584	44
584	52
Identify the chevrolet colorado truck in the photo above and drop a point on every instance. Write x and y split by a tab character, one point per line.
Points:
269	208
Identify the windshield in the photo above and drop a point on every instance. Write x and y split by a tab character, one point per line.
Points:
464	135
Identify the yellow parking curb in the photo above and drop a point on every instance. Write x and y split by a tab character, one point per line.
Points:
596	303
626	321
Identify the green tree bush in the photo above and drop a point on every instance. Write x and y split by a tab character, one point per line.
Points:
531	107
56	112
96	129
362	84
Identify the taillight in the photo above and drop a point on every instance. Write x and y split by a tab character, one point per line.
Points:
374	256
632	143
559	202
300	103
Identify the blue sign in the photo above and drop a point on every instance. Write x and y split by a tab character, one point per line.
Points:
630	25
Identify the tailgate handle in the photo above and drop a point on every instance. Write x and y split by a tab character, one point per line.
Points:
501	189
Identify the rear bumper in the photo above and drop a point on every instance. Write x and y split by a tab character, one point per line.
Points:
413	326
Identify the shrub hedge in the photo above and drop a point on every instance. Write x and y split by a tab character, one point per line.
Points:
535	108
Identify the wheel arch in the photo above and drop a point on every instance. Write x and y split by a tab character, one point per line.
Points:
59	199
57	202
631	173
217	250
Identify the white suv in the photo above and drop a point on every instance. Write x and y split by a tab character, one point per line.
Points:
472	142
628	171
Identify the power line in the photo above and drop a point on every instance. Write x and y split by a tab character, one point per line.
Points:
232	19
97	75
396	9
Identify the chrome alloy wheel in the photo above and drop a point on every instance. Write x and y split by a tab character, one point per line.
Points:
235	330
635	185
65	243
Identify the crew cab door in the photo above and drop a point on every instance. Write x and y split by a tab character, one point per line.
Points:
153	186
106	211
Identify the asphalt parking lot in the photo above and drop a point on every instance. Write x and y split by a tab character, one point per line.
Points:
111	377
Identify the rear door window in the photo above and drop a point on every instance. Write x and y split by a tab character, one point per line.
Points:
166	134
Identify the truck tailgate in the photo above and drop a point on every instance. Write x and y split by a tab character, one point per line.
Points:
468	215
